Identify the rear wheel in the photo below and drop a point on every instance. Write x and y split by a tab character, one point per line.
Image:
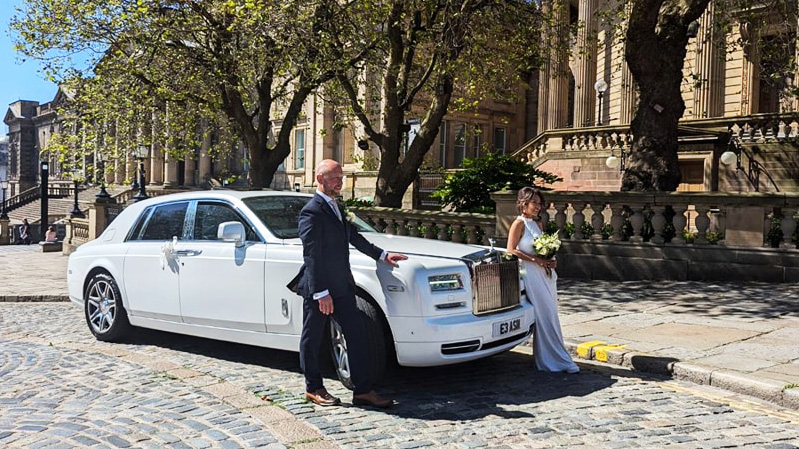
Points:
375	333
105	314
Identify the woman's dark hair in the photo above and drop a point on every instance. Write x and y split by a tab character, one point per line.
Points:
526	194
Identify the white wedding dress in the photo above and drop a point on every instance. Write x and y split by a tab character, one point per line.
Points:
549	352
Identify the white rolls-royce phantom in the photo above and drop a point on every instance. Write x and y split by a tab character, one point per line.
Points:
215	264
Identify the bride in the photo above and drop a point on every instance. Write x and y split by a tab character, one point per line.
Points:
540	282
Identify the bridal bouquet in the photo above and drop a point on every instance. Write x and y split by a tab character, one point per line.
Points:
546	245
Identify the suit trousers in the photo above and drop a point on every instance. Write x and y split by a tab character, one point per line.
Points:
347	315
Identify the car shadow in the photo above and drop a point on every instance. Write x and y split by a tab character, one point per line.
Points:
501	385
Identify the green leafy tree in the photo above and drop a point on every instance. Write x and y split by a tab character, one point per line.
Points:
430	56
469	190
163	67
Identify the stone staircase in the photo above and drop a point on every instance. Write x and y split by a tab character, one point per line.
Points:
59	208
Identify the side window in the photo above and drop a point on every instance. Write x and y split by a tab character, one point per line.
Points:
210	215
166	222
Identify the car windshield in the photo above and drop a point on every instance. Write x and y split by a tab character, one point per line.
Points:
280	214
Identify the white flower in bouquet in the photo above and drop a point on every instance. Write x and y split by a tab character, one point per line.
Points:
546	245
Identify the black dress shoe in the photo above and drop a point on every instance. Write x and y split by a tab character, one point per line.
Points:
373	399
322	397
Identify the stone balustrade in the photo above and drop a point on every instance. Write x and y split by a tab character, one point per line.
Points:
457	227
741	220
757	128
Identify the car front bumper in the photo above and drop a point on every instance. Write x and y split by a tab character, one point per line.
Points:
431	341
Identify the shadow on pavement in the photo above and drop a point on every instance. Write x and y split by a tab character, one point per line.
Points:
498	386
492	386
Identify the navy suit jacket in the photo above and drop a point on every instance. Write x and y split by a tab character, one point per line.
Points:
325	250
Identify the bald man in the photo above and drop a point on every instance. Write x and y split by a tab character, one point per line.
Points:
328	288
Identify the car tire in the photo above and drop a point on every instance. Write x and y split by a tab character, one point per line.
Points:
102	306
375	334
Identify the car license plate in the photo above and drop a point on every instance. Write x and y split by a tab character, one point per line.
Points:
507	327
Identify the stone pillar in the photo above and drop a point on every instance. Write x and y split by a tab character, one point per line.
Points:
708	96
171	171
205	155
5	226
188	170
586	65
97	217
750	72
156	152
543	80
558	98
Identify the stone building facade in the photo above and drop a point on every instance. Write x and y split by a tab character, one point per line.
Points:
732	103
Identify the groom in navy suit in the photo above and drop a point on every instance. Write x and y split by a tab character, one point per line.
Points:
328	288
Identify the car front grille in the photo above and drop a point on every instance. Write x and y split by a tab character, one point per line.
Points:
495	286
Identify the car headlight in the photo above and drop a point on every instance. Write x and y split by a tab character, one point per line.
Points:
445	282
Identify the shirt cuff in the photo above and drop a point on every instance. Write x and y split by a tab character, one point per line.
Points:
383	256
322	294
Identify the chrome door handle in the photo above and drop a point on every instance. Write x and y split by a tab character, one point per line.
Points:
188	252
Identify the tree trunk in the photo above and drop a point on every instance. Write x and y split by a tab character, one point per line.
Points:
655	52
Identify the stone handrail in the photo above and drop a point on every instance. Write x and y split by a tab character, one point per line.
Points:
457	227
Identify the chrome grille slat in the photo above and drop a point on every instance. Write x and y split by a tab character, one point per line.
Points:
495	286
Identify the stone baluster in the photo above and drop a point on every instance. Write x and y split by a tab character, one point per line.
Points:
617	222
428	230
402	229
637	221
767	226
414	226
679	221
578	219
442	231
457	233
702	223
597	221
380	225
788	225
560	219
471	236
390	229
658	222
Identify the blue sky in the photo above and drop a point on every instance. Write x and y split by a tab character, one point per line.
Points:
19	80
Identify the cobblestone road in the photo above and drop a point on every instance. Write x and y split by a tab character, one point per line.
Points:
61	388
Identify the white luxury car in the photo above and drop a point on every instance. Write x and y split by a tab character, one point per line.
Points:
215	264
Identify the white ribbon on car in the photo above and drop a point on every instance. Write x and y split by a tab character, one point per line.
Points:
168	251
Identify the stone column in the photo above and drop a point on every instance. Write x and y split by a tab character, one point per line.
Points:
586	65
543	80
188	170
750	72
708	96
558	98
171	171
204	171
156	152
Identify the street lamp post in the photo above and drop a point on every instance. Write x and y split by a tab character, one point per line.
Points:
101	171
600	87
76	212
45	175
141	152
4	186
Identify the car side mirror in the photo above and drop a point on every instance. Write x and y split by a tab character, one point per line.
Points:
231	231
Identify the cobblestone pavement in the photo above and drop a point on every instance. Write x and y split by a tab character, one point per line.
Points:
61	388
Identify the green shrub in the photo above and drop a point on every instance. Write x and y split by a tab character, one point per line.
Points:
469	190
